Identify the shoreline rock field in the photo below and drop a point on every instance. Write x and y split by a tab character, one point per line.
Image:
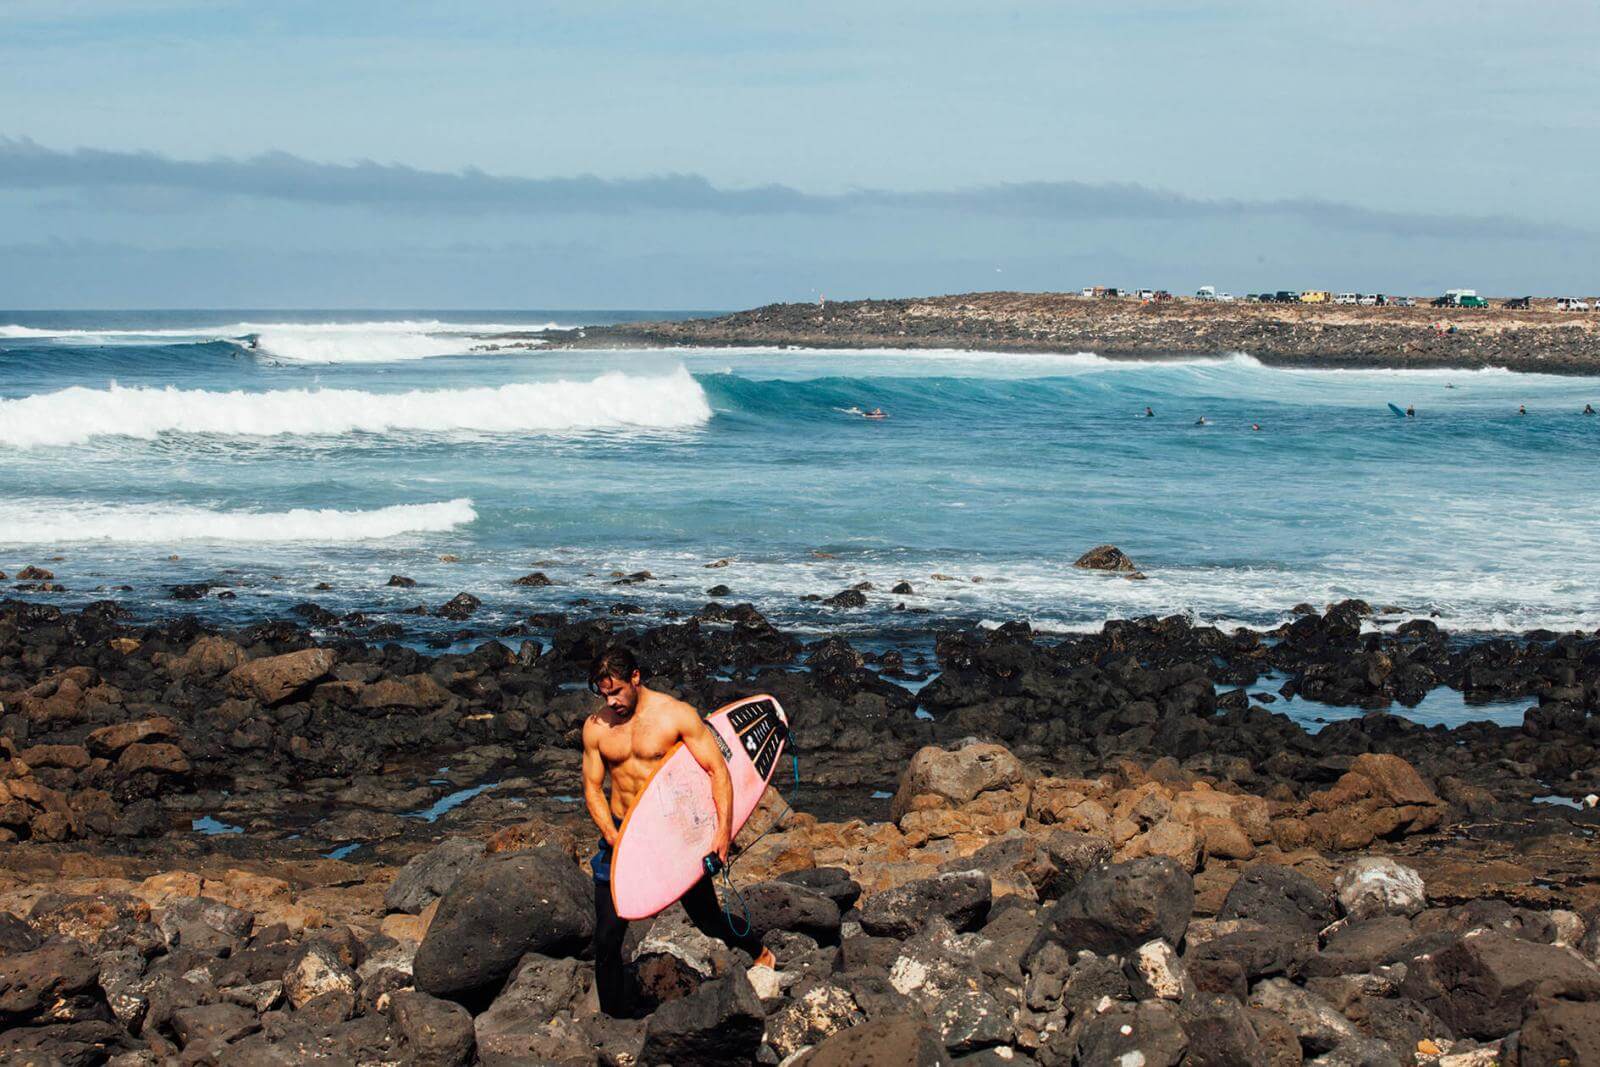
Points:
260	846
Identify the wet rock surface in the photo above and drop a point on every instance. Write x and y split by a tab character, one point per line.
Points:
264	846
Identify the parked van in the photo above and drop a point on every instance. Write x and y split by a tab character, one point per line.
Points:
1347	298
1314	296
1206	292
1571	303
1371	300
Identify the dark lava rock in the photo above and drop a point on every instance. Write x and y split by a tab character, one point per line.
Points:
1275	895
459	607
832	882
1219	1032
1148	1033
1121	906
786	906
962	899
34	574
721	1023
1556	1032
847	598
894	1041
1480	984
400	581
536	580
719	590
429	875
194	591
1106	558
32	982
437	1032
497	910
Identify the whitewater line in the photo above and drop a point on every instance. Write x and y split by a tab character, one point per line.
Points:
613	401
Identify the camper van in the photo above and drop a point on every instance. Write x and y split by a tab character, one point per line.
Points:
1314	296
1347	298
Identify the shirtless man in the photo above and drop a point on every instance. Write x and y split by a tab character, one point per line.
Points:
627	739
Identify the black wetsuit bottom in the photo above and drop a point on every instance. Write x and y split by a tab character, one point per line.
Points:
611	978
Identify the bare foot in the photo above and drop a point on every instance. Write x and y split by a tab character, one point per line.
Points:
766	959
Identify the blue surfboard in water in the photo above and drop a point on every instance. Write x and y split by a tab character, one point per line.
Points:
1396	409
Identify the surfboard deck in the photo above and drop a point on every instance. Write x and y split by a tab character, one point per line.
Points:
663	842
1397	410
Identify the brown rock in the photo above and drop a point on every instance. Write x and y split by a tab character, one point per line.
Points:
1106	558
941	778
34	574
67	757
110	740
158	758
126	645
417	691
208	657
274	679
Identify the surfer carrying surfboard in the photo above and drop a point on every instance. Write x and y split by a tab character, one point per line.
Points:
627	739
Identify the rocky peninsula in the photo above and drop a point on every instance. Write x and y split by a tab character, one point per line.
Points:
1537	339
278	846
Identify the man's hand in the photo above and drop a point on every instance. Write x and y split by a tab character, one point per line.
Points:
721	845
611	836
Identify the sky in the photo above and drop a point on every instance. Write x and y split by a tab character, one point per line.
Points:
499	154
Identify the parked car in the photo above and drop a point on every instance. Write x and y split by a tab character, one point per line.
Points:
1147	294
1286	296
1402	301
1226	298
1314	296
1347	298
1371	300
1111	292
1519	302
1571	303
1443	301
1478	302
1206	292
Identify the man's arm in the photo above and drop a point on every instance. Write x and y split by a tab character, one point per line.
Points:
698	739
594	780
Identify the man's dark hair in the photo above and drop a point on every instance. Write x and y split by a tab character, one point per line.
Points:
615	662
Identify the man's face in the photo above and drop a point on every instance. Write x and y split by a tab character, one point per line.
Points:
621	696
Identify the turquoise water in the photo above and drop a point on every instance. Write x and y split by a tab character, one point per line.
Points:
347	447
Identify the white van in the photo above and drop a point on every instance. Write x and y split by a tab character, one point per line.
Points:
1571	303
1347	298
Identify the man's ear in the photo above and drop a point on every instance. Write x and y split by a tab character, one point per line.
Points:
633	679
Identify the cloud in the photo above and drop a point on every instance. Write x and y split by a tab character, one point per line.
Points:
27	165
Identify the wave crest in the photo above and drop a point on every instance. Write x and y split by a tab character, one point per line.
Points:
612	401
61	522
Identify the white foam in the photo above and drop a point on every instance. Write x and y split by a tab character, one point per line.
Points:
309	342
610	402
52	522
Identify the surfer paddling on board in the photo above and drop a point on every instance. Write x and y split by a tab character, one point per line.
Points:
628	738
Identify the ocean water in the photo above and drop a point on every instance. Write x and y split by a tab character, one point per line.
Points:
346	447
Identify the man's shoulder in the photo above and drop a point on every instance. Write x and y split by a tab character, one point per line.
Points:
670	707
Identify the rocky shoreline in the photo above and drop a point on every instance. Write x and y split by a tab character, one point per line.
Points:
1297	335
262	847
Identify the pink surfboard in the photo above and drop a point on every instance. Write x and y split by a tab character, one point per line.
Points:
663	842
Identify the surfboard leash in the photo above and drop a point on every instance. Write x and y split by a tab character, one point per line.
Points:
727	869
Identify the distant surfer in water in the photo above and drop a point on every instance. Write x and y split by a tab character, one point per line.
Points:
1411	411
1522	409
628	738
1149	413
1588	409
1201	421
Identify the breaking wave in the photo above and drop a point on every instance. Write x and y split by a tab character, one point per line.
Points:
613	401
62	522
295	342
